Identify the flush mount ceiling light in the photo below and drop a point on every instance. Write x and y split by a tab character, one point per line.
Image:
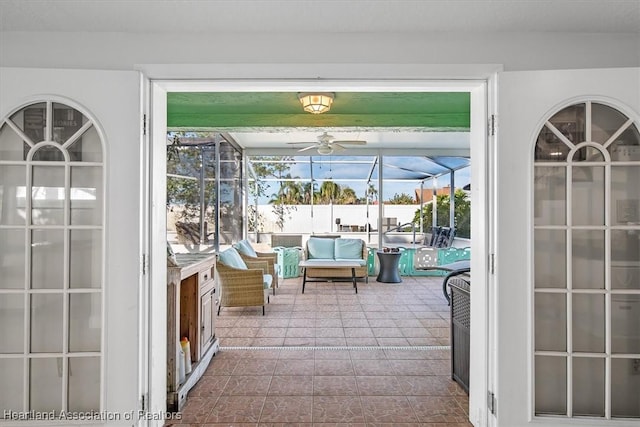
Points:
316	103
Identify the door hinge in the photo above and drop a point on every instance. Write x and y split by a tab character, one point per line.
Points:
144	124
491	402
143	403
492	263
492	125
144	264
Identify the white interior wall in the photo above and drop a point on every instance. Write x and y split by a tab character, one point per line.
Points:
516	51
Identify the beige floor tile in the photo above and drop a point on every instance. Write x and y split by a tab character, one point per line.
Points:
297	386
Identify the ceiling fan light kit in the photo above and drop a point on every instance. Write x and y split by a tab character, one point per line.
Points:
325	150
316	103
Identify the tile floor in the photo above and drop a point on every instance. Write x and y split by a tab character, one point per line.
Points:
332	357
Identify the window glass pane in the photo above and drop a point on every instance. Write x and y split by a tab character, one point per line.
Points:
231	196
12	253
625	198
550	322
570	123
66	122
48	153
90	149
85	260
84	322
625	324
86	195
184	201
45	384
48	195
550	195
625	259
11	145
550	385
625	388
11	372
12	323
46	323
605	121
84	384
627	146
587	259
588	323
587	202
12	195
588	387
588	154
549	148
550	253
32	120
47	256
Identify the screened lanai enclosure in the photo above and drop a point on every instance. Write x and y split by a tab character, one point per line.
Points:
216	196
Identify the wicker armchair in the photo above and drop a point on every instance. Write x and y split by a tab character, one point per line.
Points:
243	287
270	257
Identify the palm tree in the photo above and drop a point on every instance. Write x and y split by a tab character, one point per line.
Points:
329	192
372	192
348	196
308	192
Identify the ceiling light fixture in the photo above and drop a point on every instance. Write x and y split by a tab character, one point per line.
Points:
325	149
316	103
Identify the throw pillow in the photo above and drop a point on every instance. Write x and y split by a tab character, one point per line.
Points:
232	258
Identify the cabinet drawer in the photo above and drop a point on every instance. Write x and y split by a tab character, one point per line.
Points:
206	275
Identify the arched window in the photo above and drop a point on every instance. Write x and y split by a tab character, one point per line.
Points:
587	264
52	202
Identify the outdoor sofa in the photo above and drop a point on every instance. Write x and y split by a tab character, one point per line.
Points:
336	249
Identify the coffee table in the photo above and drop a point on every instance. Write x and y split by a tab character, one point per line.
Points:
329	265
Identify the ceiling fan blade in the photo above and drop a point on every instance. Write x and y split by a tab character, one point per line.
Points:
301	142
337	146
311	147
350	142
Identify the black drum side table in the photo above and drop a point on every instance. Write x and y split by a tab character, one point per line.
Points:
389	262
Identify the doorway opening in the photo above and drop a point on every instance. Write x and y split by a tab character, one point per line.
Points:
477	151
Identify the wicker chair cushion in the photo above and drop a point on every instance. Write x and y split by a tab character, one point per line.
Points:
348	249
320	248
232	258
245	248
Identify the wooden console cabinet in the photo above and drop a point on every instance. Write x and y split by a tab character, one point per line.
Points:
191	305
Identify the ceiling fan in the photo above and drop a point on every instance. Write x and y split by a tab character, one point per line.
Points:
327	144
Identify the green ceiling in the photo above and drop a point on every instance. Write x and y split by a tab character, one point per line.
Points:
446	111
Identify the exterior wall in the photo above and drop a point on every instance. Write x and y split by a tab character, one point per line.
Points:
324	217
515	51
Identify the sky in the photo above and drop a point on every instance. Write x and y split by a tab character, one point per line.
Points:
402	174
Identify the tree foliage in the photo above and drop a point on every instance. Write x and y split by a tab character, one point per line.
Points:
462	213
402	199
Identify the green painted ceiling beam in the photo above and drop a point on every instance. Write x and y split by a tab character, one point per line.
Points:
216	110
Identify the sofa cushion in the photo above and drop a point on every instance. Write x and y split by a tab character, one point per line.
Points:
245	248
232	258
320	248
348	249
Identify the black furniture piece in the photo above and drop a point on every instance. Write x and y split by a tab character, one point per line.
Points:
389	262
460	328
453	269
